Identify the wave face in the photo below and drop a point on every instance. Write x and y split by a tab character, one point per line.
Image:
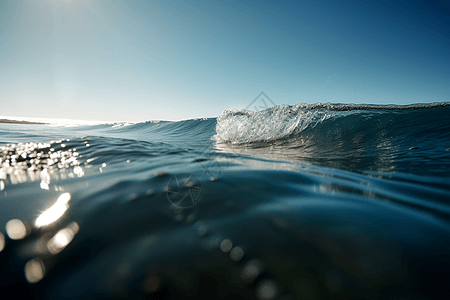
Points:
285	122
322	201
411	139
242	126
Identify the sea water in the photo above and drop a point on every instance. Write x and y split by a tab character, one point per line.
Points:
323	201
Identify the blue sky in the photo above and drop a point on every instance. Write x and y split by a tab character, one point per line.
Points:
144	60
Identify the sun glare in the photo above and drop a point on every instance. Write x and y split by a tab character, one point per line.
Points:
55	212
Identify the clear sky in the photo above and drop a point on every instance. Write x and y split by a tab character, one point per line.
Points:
145	60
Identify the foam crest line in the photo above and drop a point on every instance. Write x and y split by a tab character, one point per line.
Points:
242	126
351	106
285	122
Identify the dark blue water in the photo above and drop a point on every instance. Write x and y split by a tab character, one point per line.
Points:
295	202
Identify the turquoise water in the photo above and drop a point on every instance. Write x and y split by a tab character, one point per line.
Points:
307	201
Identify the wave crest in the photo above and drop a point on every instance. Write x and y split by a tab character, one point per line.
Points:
242	126
278	122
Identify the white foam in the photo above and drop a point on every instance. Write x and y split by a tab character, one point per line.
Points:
242	126
275	123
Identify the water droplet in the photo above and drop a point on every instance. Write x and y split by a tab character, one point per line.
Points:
236	254
55	212
251	270
34	270
267	290
2	242
62	238
202	230
226	245
15	229
190	218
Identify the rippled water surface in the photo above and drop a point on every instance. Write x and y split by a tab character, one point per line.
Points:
309	201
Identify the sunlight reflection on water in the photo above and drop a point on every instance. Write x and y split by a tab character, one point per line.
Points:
55	212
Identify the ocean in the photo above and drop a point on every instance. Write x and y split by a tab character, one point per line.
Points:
311	201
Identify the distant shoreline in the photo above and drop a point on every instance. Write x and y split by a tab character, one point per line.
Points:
20	122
